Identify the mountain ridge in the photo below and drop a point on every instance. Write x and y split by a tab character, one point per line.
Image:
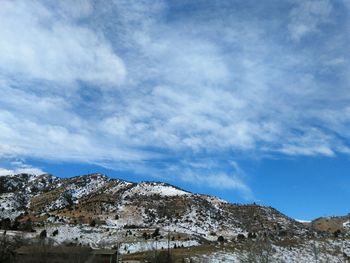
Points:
36	185
48	193
101	212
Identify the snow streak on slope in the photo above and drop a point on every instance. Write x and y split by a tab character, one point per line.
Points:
161	189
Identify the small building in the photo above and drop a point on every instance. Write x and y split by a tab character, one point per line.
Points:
104	255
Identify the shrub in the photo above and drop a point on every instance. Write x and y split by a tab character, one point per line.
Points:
5	224
336	233
221	239
93	223
28	226
43	234
240	237
251	235
156	232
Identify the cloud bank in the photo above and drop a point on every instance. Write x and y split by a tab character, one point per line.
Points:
124	84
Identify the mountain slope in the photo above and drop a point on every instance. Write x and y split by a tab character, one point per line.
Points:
148	204
336	225
102	212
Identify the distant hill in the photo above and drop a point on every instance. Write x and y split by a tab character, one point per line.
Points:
333	224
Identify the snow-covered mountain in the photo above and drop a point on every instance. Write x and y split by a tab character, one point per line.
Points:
99	211
148	204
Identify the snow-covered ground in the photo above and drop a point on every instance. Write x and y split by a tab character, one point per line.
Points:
134	247
155	188
311	251
9	206
92	185
129	240
303	221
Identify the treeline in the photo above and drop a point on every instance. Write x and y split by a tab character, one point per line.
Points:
17	224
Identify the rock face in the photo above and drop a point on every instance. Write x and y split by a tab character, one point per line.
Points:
106	201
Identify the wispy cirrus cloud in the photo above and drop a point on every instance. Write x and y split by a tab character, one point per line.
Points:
307	17
212	175
38	43
120	82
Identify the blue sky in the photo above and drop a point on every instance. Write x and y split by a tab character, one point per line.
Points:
245	100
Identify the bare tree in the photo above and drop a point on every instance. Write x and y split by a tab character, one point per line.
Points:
259	250
316	252
8	245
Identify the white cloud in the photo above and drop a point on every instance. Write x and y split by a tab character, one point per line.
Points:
212	176
196	84
5	172
37	44
28	138
18	167
219	181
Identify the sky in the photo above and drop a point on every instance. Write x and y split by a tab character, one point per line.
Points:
245	100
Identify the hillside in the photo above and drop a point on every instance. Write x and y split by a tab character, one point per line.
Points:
148	204
336	225
98	211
